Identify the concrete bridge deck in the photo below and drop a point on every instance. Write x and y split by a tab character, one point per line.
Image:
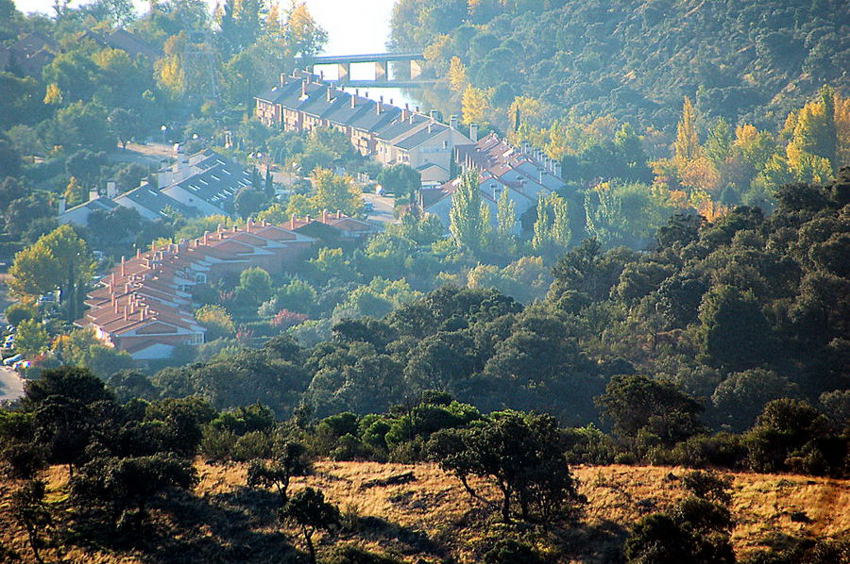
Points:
367	58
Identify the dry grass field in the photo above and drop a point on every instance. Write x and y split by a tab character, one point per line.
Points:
431	518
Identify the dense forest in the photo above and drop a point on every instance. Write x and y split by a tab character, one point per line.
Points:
636	60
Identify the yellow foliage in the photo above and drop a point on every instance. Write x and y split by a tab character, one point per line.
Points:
687	147
53	95
701	174
457	75
438	49
475	105
170	75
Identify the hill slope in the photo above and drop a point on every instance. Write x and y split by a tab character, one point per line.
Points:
753	61
430	518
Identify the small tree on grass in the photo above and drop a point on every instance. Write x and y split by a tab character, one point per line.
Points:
519	453
28	508
309	510
291	462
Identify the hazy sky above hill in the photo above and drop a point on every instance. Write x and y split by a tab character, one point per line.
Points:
353	27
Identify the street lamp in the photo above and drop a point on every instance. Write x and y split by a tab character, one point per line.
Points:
164	128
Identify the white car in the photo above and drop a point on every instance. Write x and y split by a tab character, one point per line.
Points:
13	359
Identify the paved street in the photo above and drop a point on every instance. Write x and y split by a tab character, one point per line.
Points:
11	385
382	208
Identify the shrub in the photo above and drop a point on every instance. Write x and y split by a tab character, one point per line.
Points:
255	444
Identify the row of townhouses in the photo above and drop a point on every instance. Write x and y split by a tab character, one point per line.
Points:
144	305
524	173
197	185
390	134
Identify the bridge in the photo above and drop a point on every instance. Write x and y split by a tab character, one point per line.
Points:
404	75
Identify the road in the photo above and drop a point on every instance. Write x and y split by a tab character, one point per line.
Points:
11	384
382	208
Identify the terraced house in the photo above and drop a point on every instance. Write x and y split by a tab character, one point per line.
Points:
144	305
391	134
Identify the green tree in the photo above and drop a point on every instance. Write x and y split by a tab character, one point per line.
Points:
505	216
29	509
255	283
634	403
128	485
466	218
291	461
216	320
308	509
335	193
59	260
734	333
32	338
124	124
400	179
519	453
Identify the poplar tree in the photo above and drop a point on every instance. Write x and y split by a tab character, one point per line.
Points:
466	222
687	146
505	215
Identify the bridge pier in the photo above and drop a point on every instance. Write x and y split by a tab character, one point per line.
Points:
343	72
415	69
380	71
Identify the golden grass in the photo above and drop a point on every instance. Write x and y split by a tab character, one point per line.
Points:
436	508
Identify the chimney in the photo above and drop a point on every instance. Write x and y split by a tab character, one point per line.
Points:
324	216
283	78
62	205
93	194
307	218
206	237
433	114
379	107
354	100
111	189
557	171
391	101
473	132
304	88
330	93
339	214
123	269
405	113
417	109
292	221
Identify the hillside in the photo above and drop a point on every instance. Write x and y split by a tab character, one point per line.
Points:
752	61
430	519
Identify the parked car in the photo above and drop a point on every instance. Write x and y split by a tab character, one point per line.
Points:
13	359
